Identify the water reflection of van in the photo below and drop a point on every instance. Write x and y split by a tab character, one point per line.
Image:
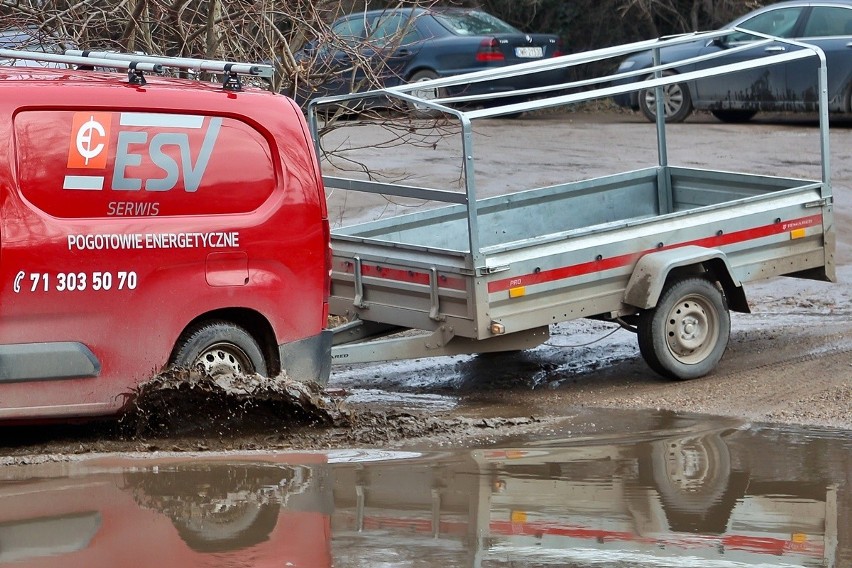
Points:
693	497
167	513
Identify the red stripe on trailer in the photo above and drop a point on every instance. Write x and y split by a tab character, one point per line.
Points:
402	275
593	266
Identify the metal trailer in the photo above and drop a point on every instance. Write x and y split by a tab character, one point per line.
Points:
663	250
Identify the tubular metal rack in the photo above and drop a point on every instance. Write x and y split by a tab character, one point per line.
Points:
565	94
137	65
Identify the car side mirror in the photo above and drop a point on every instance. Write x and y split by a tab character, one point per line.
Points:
720	42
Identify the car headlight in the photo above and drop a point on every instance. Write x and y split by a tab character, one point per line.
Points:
626	64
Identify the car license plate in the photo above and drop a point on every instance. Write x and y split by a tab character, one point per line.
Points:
529	52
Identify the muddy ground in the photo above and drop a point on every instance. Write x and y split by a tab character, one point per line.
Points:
790	361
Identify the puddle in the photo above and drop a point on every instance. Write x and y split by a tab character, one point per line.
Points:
621	490
401	401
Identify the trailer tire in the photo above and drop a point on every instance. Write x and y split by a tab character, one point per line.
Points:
222	349
686	334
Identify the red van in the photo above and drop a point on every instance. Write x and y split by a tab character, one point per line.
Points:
148	222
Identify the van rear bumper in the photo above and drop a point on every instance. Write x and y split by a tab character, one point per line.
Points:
308	359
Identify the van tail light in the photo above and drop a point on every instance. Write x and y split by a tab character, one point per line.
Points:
328	260
489	50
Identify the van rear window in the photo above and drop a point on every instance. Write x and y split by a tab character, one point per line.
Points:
82	164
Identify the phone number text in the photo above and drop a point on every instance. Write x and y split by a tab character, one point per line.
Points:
74	281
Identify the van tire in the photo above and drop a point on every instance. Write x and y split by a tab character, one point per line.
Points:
686	334
221	349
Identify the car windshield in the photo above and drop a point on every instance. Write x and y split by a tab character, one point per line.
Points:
474	23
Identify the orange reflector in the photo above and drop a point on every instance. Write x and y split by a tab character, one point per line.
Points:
517	292
516	454
519	517
797	233
799	538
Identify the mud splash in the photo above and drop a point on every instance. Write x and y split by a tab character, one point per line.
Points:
186	401
186	410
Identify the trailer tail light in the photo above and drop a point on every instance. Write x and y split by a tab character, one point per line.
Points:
518	517
489	50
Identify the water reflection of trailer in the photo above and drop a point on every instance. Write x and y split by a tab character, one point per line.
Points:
581	514
643	502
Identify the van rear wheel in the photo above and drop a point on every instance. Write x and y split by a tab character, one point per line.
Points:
686	334
221	349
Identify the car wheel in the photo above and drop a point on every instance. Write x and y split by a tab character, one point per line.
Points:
686	334
677	103
419	110
222	349
734	116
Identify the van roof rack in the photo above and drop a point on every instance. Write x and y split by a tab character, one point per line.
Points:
230	69
138	64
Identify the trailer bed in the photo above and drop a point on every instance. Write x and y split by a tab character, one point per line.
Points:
561	252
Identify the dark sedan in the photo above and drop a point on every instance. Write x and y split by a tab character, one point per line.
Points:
785	87
385	48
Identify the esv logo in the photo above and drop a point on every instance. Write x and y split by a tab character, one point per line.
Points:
152	152
90	134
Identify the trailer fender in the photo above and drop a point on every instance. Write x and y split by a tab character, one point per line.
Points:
651	272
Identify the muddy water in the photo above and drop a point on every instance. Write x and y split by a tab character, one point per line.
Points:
621	490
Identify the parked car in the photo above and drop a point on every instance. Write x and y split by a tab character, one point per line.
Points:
738	97
385	48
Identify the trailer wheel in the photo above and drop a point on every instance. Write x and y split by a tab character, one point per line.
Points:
685	335
222	349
